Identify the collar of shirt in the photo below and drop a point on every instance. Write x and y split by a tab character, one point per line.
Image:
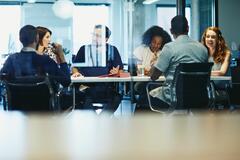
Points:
28	49
182	37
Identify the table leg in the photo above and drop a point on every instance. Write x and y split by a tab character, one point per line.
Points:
74	99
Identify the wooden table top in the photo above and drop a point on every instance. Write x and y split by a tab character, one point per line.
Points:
82	135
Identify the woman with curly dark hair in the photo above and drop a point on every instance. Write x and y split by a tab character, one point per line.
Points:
147	54
218	51
153	41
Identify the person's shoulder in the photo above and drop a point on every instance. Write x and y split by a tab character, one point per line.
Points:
13	55
141	47
197	43
82	47
45	59
228	52
41	56
200	45
85	45
110	46
169	44
18	54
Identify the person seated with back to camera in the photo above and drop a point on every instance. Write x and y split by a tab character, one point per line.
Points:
146	54
29	63
182	50
220	55
89	53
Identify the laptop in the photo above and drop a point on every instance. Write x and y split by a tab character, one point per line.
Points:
93	71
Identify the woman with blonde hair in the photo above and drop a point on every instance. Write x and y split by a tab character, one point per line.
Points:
218	51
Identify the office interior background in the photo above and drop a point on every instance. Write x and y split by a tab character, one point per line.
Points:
80	136
127	19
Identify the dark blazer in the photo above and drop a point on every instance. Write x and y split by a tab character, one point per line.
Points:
113	59
29	63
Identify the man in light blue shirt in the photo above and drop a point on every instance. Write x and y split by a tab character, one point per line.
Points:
182	50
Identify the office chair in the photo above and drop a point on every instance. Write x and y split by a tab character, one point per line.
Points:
30	93
3	95
190	88
235	86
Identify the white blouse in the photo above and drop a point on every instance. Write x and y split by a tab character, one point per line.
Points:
144	55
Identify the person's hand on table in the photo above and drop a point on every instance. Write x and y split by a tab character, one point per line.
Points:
147	71
77	74
115	70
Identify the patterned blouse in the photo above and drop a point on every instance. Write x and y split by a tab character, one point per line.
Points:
50	52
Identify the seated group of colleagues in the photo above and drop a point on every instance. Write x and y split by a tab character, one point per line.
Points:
160	56
157	54
39	57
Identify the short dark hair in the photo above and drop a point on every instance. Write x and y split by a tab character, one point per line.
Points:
107	30
179	25
27	35
41	32
153	32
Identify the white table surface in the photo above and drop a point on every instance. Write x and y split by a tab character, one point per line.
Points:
129	79
86	136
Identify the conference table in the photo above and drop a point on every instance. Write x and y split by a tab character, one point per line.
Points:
130	79
81	79
82	135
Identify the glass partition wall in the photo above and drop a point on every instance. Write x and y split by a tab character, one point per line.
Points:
72	21
125	18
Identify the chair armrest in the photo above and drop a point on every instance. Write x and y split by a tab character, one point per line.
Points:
212	95
149	87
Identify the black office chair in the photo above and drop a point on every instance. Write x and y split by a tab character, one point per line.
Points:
235	86
31	93
3	95
190	88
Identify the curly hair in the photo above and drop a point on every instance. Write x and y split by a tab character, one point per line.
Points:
221	47
155	31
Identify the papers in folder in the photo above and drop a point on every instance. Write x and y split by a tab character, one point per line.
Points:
121	75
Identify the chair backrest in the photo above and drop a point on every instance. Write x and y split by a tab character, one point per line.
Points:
30	94
191	85
235	73
235	86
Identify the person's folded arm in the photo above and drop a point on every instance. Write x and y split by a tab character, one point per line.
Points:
61	72
64	73
224	67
